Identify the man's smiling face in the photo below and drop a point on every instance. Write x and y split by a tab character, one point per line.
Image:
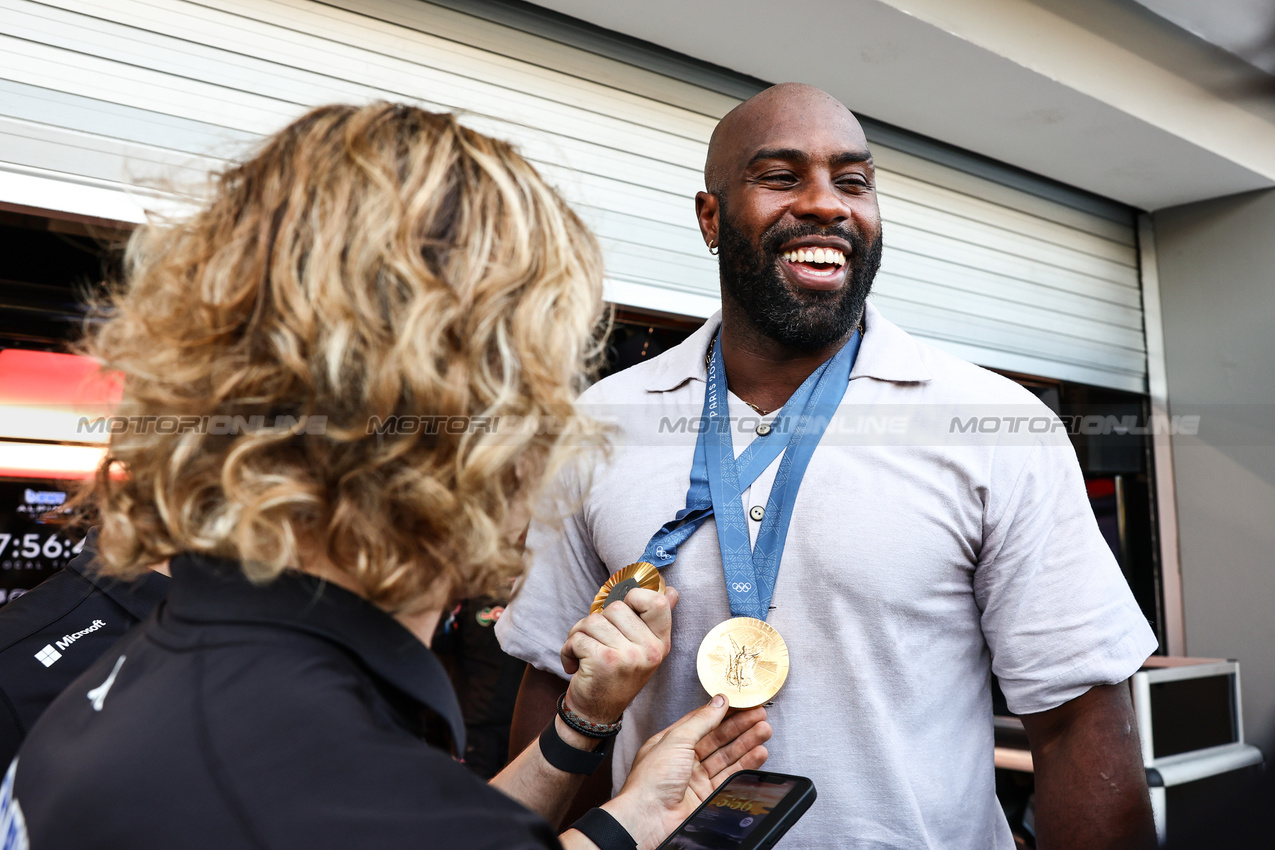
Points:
793	205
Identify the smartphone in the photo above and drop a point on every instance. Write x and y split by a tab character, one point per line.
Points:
750	811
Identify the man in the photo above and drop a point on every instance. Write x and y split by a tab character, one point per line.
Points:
914	566
51	635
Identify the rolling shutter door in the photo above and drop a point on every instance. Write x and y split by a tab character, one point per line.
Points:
105	102
1007	278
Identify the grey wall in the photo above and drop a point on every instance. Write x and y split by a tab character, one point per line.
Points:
1217	285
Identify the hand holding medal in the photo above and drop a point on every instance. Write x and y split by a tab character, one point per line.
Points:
743	658
622	581
613	652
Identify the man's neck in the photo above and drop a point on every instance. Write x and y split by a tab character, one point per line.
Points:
761	371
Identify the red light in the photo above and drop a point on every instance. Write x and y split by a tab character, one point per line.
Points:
1099	488
49	378
43	398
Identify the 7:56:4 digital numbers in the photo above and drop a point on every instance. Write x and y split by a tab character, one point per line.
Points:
34	547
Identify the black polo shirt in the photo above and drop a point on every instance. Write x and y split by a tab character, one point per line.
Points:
238	716
52	634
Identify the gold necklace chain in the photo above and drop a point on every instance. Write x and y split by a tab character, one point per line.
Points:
708	358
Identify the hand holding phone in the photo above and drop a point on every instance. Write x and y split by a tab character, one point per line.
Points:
680	767
750	811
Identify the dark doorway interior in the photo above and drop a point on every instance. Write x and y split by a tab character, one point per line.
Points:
49	270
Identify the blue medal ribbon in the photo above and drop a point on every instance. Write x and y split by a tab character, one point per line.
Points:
719	479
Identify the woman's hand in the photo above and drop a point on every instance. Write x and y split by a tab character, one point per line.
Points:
680	767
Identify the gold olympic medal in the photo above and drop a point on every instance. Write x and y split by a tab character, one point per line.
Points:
745	659
621	582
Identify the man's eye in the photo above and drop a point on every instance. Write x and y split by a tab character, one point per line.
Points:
779	177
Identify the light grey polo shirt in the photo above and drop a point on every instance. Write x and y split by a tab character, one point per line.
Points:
941	532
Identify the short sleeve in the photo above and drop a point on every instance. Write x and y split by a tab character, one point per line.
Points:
1058	616
564	573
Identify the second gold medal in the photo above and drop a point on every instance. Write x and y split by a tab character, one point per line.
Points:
745	659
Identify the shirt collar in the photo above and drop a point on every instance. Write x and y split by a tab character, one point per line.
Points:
887	353
138	597
216	591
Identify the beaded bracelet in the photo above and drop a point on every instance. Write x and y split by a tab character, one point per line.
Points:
585	727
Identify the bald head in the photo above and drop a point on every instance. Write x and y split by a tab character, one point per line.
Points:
785	111
791	209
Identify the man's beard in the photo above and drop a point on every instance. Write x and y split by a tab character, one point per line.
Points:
807	320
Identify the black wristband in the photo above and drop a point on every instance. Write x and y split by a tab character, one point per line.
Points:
602	829
567	758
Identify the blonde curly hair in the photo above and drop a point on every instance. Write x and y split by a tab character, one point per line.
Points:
367	263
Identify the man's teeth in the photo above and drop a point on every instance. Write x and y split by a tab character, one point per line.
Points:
830	256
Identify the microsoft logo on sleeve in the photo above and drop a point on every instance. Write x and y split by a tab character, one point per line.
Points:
48	655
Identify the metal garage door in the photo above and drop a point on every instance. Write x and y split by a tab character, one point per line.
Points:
101	97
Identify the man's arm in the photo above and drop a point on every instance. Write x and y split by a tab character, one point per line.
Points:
1091	789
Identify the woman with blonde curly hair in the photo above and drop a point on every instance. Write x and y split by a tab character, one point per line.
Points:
347	376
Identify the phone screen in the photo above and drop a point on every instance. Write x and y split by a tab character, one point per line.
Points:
731	815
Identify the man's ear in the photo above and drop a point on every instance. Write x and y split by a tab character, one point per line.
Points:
706	208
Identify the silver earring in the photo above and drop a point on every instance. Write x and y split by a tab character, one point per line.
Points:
712	247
